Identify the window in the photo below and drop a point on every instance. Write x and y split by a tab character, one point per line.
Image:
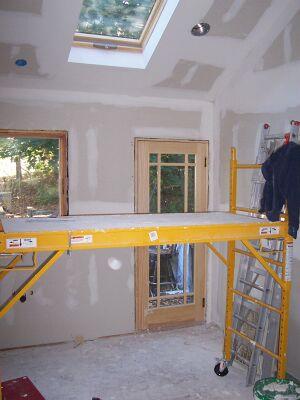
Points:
33	173
117	24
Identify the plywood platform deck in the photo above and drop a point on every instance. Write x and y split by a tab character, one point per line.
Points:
125	230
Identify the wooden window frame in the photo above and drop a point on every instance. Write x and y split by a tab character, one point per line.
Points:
123	44
63	158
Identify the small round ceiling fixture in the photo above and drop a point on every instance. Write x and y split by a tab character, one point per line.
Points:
21	62
200	29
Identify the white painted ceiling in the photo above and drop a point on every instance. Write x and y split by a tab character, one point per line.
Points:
183	66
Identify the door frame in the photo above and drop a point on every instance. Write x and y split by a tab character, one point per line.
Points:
142	275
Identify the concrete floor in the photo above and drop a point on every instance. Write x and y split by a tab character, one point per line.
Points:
167	365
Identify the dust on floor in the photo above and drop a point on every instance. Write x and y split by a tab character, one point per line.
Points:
167	365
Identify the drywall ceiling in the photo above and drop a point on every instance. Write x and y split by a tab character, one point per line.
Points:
29	6
183	66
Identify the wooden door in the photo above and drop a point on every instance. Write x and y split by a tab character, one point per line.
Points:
171	176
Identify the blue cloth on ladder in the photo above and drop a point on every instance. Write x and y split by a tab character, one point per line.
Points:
282	174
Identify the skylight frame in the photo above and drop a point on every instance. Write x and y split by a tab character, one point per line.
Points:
125	44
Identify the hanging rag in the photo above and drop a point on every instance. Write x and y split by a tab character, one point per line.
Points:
282	174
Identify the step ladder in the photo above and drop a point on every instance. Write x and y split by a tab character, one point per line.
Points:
256	322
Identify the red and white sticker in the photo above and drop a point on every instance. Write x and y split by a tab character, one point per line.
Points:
269	230
82	239
21	243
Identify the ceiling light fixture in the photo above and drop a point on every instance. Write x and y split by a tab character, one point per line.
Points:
200	29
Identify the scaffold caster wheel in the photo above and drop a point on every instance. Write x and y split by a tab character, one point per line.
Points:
221	369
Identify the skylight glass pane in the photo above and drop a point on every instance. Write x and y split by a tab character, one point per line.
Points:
115	18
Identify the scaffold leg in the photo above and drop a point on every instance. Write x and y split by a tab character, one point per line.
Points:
229	301
285	306
221	368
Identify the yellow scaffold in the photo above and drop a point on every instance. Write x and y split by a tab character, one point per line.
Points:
130	231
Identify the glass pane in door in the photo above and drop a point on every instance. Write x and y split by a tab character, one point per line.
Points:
191	189
153	189
171	270
172	158
172	189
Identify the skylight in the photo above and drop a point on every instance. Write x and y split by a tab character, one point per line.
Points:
117	22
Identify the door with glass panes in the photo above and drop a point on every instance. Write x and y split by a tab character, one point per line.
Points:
171	177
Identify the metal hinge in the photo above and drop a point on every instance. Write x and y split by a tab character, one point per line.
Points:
203	302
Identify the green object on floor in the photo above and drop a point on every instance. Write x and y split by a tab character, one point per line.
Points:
276	389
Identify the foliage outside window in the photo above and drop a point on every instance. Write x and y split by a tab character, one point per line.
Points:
120	22
31	181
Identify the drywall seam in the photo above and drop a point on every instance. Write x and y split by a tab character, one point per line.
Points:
287	44
233	10
92	160
93	280
76	97
189	75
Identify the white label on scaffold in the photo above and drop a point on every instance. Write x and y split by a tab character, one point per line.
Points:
21	243
289	262
269	230
153	236
82	239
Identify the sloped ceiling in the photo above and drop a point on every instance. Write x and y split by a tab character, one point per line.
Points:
183	66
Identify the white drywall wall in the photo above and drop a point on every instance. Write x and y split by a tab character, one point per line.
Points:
262	94
82	294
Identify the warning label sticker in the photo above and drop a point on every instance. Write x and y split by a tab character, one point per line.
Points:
153	236
21	243
82	239
289	262
269	230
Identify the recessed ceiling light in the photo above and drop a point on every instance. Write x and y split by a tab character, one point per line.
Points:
200	29
21	62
